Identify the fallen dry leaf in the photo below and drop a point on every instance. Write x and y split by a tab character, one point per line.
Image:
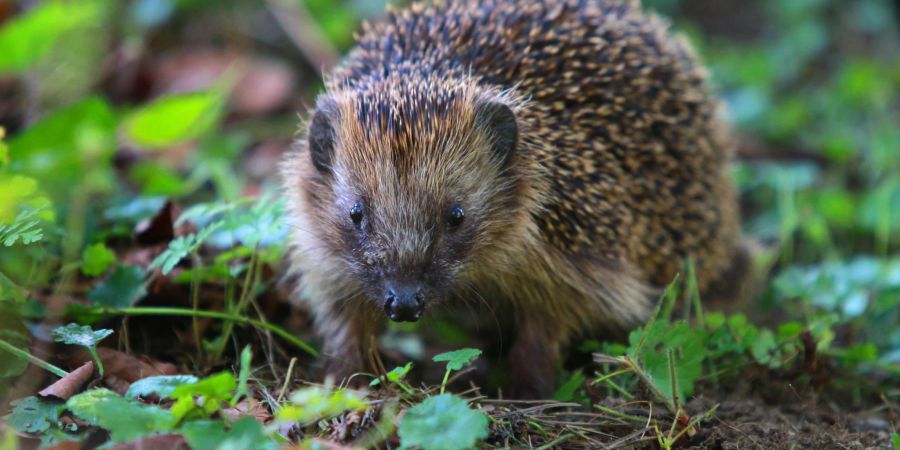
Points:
71	384
122	369
252	408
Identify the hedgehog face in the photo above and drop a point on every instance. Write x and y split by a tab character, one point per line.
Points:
420	184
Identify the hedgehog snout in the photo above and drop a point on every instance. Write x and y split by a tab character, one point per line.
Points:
404	302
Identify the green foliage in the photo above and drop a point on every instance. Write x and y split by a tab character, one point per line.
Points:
863	290
247	222
29	37
71	147
245	433
317	403
96	259
34	414
443	422
203	398
21	196
175	119
162	385
22	229
663	340
181	247
122	288
125	419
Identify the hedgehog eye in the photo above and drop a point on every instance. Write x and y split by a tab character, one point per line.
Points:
457	214
356	213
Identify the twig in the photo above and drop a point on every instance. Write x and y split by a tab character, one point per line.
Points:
287	379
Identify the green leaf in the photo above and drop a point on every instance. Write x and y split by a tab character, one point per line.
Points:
125	419
21	229
443	422
567	391
163	385
396	374
27	38
317	403
70	147
895	440
244	375
96	259
19	193
123	288
175	119
251	222
34	415
458	359
157	179
182	247
689	347
213	391
246	433
83	335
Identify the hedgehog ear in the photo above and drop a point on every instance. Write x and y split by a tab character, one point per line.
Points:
321	136
500	121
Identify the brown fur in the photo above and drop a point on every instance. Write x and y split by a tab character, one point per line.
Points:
618	174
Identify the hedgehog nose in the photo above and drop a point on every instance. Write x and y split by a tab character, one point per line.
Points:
404	303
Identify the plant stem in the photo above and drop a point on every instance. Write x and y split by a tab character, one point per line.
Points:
444	381
648	382
195	302
620	415
32	359
96	357
246	290
173	311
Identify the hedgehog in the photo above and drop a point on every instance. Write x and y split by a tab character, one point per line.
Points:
556	161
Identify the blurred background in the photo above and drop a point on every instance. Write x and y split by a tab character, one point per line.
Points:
111	108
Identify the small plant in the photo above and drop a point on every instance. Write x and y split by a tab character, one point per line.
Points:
456	360
396	376
181	247
83	335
